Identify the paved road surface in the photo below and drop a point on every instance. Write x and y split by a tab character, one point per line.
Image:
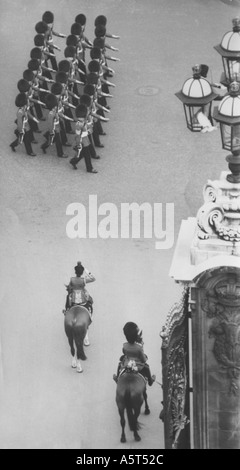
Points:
149	156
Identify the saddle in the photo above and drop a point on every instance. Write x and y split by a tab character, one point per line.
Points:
131	368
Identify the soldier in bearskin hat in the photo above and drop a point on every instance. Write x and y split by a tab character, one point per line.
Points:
53	132
38	92
48	18
66	95
102	20
23	131
81	19
24	87
93	79
73	40
97	54
81	140
89	89
87	101
100	32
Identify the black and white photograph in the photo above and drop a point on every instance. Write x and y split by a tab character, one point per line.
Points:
120	227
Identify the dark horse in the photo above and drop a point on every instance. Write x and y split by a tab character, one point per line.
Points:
131	392
76	323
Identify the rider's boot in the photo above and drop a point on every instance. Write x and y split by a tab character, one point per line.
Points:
151	380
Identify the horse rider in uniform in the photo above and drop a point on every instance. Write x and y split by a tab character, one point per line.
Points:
77	293
133	352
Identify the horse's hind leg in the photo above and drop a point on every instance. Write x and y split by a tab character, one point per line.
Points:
136	425
123	422
71	344
147	409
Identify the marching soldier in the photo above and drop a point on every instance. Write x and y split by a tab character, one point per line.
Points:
66	94
97	54
99	42
48	18
40	77
53	133
56	89
81	140
102	20
73	40
70	52
24	87
87	101
23	131
97	126
100	32
36	92
81	19
95	66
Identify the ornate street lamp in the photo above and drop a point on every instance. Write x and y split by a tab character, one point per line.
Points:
197	96
228	115
229	49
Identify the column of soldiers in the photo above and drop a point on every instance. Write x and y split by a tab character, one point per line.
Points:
70	95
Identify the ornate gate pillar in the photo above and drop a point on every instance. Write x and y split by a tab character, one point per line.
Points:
207	260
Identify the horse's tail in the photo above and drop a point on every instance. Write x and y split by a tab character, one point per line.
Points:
129	409
79	335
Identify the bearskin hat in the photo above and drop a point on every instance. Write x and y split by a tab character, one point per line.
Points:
131	331
28	75
69	51
23	85
64	66
36	53
33	64
48	17
95	53
81	19
41	27
51	101
100	31
21	100
86	99
81	111
99	43
61	77
76	29
94	66
101	19
56	88
39	40
72	40
89	89
92	78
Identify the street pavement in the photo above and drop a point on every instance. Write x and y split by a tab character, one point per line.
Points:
149	156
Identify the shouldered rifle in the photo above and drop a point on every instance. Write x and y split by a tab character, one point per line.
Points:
79	148
53	131
23	130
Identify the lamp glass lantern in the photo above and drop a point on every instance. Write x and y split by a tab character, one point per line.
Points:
229	49
228	116
196	95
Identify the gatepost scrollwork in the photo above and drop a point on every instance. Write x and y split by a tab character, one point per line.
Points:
174	336
222	305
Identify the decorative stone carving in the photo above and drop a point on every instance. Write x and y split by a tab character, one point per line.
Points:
178	396
175	316
222	304
175	377
220	214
